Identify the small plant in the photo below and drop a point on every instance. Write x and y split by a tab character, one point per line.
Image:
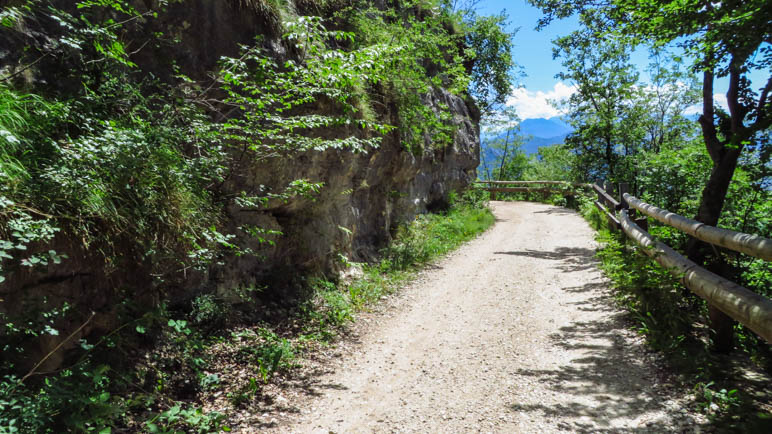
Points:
244	393
270	355
210	382
180	326
715	402
335	308
208	311
190	419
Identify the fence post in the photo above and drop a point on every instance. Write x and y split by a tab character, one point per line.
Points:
609	188
722	329
625	188
642	223
600	198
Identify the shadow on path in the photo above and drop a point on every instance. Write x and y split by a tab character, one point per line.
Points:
607	383
572	258
557	211
601	300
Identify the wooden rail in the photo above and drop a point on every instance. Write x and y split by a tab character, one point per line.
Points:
612	220
753	245
751	309
566	183
543	187
526	190
603	196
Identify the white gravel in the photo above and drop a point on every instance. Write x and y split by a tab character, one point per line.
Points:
513	333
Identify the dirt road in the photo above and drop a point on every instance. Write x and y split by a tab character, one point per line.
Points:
513	333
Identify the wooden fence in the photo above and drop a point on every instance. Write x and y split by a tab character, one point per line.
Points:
543	187
725	298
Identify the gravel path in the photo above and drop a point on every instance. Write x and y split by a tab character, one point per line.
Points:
515	333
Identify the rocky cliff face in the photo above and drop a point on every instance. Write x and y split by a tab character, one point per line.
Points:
364	198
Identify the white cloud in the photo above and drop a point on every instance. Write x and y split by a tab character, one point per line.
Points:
537	104
719	100
693	110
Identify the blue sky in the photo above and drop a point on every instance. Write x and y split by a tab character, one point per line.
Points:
533	52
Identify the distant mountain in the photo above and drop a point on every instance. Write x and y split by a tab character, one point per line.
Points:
544	128
532	145
536	132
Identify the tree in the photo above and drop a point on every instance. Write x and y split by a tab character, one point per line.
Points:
503	143
556	163
664	101
488	47
725	39
491	71
605	82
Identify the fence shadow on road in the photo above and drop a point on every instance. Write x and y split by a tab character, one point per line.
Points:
571	258
608	383
557	211
600	300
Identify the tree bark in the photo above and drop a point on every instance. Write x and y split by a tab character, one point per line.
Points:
714	194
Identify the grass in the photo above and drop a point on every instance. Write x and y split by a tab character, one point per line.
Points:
425	239
191	369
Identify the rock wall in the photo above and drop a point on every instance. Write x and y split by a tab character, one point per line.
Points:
364	199
365	196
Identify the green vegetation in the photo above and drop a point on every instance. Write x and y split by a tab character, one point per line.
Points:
673	321
133	168
125	158
196	349
716	170
136	168
619	122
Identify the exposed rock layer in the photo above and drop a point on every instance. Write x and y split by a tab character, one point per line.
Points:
365	196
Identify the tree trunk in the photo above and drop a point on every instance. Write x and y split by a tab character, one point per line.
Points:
714	193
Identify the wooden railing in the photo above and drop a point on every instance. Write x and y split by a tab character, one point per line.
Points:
752	245
752	310
724	297
543	187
